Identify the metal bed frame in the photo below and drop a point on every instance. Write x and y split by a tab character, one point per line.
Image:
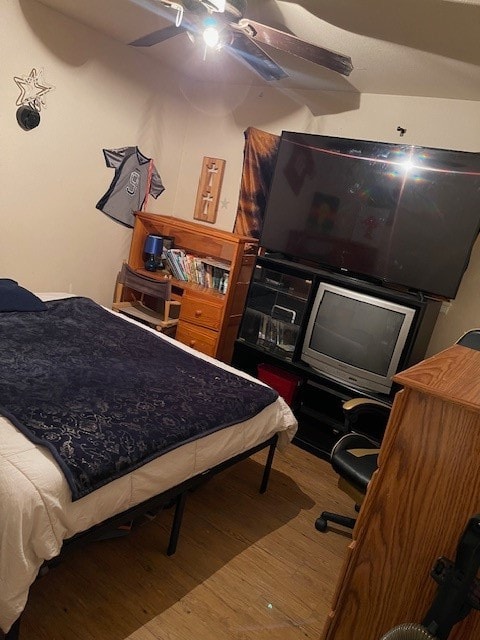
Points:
177	495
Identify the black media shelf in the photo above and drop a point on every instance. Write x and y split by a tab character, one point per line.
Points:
272	330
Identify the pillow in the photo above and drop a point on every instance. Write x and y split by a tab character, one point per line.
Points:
16	298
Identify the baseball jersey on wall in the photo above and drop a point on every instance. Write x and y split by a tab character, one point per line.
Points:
135	177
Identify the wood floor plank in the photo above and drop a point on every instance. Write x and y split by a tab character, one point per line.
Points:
248	566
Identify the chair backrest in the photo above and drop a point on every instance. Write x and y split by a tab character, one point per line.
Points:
150	286
367	417
470	339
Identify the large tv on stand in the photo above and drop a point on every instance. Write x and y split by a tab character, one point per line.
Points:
401	215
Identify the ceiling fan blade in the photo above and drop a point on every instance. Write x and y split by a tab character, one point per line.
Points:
248	51
291	44
157	36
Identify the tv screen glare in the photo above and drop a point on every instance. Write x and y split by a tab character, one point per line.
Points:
356	338
399	214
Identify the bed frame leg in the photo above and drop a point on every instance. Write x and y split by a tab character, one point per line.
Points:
268	466
177	522
14	633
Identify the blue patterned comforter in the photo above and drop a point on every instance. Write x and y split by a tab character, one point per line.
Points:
105	396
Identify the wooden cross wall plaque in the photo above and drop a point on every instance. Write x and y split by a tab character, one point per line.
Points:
209	188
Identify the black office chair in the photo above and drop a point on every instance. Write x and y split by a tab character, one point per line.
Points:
354	456
470	339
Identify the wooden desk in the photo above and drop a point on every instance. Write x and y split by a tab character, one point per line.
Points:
209	320
418	504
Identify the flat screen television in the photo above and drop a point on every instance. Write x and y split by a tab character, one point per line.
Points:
397	214
356	338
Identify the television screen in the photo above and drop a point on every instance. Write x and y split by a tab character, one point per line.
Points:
399	214
356	338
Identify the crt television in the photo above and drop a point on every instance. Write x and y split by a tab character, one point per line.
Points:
356	338
397	214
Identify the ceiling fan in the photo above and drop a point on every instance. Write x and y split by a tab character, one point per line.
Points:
241	36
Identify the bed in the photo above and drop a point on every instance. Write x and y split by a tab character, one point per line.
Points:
46	506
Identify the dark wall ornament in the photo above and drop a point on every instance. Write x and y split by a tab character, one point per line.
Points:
28	118
31	100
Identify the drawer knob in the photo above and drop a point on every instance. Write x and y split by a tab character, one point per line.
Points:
191	343
198	313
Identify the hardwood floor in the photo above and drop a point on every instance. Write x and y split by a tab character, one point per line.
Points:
248	566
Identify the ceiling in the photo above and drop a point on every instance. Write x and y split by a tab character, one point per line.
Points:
427	48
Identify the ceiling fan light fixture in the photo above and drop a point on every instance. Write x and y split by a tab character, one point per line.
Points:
221	23
211	37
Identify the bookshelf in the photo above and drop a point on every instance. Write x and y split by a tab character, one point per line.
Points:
209	316
208	272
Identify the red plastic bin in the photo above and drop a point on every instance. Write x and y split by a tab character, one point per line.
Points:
282	381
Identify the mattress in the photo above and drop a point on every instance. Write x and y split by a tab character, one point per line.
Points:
39	513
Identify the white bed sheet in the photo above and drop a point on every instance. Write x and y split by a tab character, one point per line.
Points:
38	513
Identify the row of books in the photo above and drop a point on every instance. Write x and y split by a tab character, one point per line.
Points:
203	271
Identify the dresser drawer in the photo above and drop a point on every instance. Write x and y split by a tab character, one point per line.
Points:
199	338
205	313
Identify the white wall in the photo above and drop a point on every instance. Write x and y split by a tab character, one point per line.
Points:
109	95
52	238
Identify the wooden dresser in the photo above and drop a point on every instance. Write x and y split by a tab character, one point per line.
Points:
209	320
418	503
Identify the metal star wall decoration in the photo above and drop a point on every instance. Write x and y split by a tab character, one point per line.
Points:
33	89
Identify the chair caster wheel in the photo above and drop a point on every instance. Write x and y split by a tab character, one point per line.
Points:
321	524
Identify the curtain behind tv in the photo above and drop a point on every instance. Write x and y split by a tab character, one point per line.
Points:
259	157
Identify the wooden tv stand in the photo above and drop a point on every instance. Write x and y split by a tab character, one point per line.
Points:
418	503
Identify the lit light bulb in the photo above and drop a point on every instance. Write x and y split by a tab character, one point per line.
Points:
211	37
